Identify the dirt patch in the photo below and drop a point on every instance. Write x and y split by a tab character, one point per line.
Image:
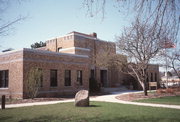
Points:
139	96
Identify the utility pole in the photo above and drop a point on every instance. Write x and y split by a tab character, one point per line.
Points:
166	74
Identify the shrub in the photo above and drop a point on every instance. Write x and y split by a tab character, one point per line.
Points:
170	90
33	82
94	86
160	91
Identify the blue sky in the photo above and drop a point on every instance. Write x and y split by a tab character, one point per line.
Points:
48	19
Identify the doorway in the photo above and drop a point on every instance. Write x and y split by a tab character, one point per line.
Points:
104	79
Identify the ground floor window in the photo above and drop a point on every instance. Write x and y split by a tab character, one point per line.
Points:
53	78
92	75
79	77
155	77
67	78
4	78
151	77
104	78
147	77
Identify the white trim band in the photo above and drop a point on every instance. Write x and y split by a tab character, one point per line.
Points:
77	48
55	53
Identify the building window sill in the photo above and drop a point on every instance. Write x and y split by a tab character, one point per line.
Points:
67	86
53	87
3	88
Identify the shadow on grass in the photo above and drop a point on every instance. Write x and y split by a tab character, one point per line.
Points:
41	119
99	119
94	106
2	119
90	106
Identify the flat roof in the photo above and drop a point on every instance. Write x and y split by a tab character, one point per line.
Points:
42	52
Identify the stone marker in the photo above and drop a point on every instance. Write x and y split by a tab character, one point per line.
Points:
82	98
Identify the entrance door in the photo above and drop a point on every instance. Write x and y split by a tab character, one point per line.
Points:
103	76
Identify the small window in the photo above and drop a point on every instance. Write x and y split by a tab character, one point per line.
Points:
4	78
79	77
53	78
67	78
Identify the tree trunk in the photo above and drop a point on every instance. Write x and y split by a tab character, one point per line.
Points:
145	89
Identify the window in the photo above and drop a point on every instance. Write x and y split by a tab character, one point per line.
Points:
151	77
67	78
4	78
79	77
92	75
53	78
41	77
155	77
147	78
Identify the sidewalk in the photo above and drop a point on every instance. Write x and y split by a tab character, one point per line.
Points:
37	103
112	98
103	98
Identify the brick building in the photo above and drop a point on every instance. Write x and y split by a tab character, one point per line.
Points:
67	64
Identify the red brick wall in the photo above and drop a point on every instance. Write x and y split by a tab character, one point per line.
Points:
61	63
14	63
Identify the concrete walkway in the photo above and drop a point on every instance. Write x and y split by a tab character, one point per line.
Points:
112	98
103	98
38	103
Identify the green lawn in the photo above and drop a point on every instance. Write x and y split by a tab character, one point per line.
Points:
97	112
171	100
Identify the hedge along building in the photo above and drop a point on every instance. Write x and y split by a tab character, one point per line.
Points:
67	64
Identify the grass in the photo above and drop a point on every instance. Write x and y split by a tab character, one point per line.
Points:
97	112
171	100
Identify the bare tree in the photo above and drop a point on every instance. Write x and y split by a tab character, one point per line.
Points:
174	61
162	15
95	7
141	44
114	61
107	57
6	24
159	13
33	82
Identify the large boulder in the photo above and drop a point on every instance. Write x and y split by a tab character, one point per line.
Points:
82	98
